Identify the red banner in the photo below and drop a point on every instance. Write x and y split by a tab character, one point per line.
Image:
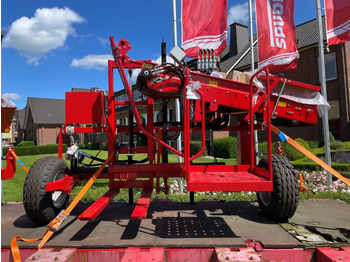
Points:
204	25
276	35
338	21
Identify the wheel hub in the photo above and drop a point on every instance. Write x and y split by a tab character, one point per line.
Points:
59	197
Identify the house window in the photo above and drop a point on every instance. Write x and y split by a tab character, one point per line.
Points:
124	121
330	66
144	119
170	114
155	116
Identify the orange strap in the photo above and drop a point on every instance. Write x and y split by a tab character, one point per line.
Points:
310	155
19	161
56	222
14	246
302	187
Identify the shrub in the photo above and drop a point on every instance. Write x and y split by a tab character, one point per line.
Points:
292	153
195	147
262	147
105	146
26	143
81	145
312	144
312	166
93	146
36	150
341	157
331	140
339	146
225	147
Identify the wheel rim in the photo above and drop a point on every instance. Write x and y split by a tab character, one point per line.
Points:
59	197
265	197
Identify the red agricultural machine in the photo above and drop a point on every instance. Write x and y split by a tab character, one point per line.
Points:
207	103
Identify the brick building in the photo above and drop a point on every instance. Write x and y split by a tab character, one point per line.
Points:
337	59
42	120
236	56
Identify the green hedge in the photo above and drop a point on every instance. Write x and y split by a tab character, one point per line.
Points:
105	146
262	147
311	166
195	147
292	153
331	140
35	150
225	147
81	145
339	146
93	146
26	143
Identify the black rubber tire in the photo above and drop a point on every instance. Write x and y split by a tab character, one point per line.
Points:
281	203
38	203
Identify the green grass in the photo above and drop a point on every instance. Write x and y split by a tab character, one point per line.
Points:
13	188
327	195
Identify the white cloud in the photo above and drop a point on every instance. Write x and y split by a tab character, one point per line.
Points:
47	30
238	13
11	96
97	62
103	41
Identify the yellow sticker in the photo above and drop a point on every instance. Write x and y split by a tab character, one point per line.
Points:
282	104
213	83
147	65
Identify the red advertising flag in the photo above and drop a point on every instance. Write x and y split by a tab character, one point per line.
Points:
276	35
204	25
338	21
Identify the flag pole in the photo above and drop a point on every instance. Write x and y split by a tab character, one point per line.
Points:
177	103
256	141
325	125
251	35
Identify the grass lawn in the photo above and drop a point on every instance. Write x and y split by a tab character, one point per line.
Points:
13	188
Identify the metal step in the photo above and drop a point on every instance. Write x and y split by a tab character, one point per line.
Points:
226	178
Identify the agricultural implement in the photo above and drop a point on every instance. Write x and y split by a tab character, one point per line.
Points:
207	103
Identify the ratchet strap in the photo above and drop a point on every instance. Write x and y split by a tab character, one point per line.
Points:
54	225
310	155
302	187
19	161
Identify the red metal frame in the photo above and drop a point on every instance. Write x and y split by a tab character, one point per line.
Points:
9	171
216	96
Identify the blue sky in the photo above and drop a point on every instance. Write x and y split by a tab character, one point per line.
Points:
51	46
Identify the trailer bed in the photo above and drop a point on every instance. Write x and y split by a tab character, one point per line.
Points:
181	225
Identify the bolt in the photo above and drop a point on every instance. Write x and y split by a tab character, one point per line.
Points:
33	258
56	258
